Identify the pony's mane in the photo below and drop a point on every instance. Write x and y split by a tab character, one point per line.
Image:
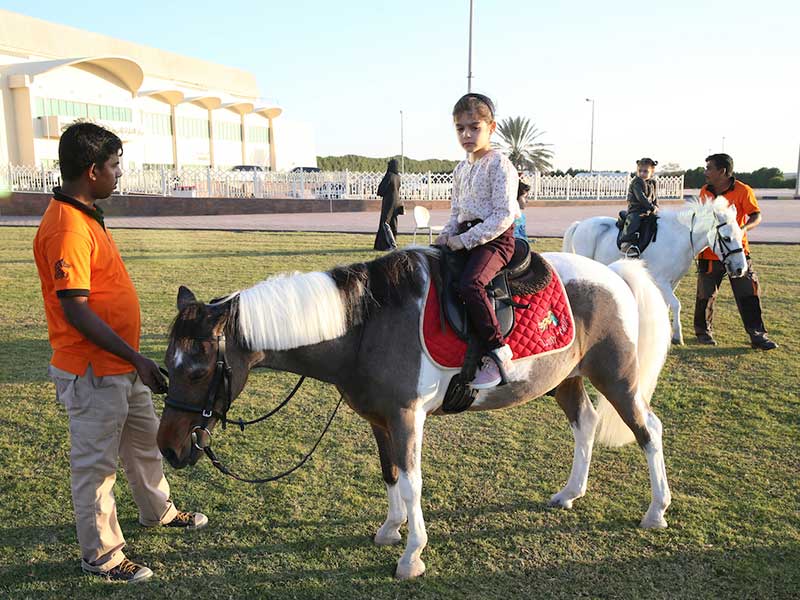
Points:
298	309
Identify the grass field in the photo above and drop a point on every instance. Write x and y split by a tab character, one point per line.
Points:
731	441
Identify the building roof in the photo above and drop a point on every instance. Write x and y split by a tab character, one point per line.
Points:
118	70
28	37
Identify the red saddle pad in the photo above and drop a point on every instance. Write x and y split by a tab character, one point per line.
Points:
547	326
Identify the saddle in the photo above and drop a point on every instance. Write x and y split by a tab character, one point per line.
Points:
527	273
635	235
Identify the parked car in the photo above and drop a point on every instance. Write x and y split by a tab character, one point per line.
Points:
306	170
248	168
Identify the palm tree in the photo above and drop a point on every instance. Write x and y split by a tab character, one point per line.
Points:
518	140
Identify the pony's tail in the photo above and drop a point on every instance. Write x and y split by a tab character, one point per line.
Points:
652	348
567	244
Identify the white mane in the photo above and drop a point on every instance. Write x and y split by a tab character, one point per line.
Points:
291	310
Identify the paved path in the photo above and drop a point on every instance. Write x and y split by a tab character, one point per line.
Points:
781	221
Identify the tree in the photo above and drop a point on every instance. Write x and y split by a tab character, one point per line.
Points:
670	168
519	141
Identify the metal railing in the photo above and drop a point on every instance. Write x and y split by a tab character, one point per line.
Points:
328	185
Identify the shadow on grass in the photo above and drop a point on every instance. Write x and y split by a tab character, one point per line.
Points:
753	572
26	360
250	254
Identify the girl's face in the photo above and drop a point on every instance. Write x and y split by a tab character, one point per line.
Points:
474	133
646	171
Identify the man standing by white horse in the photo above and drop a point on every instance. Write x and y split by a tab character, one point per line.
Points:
710	271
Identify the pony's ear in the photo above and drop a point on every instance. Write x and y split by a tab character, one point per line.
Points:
218	314
185	297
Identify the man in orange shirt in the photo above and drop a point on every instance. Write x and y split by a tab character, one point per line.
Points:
710	271
101	378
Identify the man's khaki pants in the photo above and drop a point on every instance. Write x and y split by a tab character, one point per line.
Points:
111	417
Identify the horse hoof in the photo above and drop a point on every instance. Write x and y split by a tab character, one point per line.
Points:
387	539
557	502
409	570
653	523
677	342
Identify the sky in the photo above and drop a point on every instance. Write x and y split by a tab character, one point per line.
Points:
672	80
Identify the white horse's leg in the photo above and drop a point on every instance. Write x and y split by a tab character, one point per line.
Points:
654	517
389	532
410	485
675	306
572	397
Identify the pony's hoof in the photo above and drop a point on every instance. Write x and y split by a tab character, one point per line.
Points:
387	539
653	523
409	570
677	341
557	501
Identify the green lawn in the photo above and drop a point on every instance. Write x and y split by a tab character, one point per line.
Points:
731	441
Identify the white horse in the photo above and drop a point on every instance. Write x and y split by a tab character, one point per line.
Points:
682	234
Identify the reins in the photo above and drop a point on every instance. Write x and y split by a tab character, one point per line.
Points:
221	379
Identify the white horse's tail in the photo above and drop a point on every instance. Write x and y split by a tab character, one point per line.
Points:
569	234
652	348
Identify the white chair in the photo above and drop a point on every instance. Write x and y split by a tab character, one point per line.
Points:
422	222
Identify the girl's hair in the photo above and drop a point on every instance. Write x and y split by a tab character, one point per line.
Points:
477	103
649	162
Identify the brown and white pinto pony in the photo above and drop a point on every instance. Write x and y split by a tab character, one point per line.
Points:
357	328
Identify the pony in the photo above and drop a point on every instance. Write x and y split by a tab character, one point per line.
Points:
357	327
682	234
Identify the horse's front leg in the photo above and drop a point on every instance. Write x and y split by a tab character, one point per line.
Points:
406	435
389	532
675	306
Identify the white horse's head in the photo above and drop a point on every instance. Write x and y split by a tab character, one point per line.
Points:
722	232
725	238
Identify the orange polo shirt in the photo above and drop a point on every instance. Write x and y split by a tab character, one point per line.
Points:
76	256
742	197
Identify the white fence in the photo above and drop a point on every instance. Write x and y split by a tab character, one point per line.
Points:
328	185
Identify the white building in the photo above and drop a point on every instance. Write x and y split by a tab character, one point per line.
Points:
168	109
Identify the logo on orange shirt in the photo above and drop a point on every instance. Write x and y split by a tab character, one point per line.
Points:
60	265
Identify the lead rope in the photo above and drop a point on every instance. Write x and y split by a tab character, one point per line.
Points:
226	471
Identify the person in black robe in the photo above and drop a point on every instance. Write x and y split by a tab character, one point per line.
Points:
389	190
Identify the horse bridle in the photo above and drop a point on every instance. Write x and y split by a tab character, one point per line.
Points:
726	250
222	379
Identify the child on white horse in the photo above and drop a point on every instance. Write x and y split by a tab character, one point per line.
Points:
484	206
642	202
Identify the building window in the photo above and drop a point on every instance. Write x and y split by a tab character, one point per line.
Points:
192	128
258	135
157	124
51	107
225	130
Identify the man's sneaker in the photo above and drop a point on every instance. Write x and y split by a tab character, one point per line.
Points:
127	571
705	338
489	374
762	342
188	520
